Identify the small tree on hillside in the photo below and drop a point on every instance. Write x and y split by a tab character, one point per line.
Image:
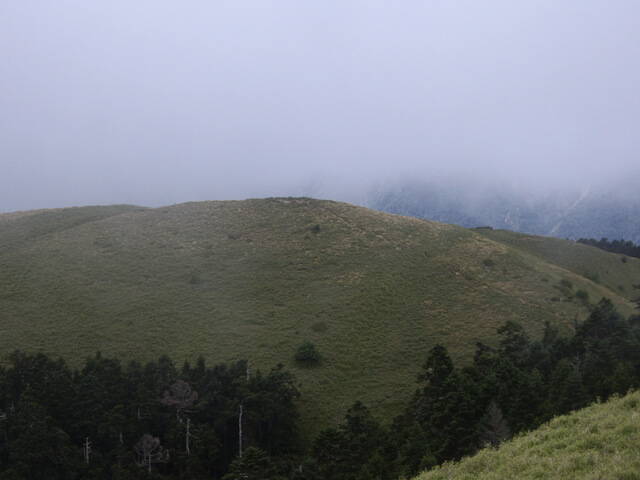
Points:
307	354
494	427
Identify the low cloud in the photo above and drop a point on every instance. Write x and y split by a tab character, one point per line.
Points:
156	102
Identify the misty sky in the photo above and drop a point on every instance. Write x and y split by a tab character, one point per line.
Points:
159	102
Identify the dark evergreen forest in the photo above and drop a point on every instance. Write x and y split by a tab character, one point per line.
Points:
616	246
227	422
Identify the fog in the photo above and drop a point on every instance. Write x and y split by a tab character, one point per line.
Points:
158	102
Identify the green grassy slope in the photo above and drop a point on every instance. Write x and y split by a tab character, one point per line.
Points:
29	225
601	441
584	262
254	279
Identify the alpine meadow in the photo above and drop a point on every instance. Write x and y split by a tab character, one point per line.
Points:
255	279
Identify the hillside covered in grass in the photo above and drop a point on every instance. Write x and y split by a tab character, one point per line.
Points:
255	279
601	441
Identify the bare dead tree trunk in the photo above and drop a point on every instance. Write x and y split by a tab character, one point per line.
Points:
87	450
576	363
149	451
240	417
188	436
181	396
240	432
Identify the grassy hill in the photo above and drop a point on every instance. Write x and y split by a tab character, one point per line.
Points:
572	257
254	279
601	441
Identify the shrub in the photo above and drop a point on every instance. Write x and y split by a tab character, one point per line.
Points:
319	327
566	283
592	276
582	295
307	354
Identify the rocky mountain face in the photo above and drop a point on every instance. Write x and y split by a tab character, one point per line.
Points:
585	212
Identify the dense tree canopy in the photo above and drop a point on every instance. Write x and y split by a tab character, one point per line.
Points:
107	420
616	246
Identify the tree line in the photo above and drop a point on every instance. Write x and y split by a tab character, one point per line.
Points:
142	421
616	246
513	386
228	422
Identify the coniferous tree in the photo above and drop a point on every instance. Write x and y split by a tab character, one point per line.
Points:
253	465
495	429
330	449
566	390
513	342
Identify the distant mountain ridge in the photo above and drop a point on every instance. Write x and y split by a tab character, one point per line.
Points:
578	213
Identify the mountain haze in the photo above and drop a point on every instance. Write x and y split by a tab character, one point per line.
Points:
254	279
574	212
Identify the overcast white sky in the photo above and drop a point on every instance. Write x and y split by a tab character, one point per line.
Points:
158	102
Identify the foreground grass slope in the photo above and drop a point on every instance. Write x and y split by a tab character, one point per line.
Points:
254	279
601	441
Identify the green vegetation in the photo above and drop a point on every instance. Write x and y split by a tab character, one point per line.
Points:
601	441
234	422
566	284
254	279
582	295
515	387
307	354
144	421
617	246
584	267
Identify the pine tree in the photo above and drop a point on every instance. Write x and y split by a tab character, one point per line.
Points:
494	427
